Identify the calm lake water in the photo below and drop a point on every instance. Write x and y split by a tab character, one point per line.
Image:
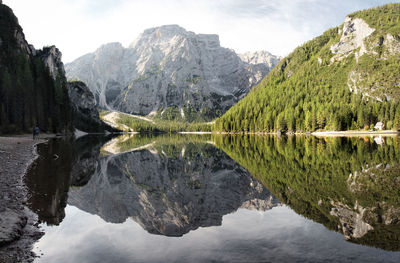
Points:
192	198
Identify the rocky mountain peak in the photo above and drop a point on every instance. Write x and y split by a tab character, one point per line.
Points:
260	57
109	47
168	67
163	35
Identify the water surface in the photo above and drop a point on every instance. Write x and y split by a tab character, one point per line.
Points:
190	198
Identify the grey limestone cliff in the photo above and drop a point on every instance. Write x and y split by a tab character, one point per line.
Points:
168	67
52	58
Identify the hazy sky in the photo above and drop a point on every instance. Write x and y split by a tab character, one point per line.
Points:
78	27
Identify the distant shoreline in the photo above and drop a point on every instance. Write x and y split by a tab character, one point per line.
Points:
197	132
317	134
356	133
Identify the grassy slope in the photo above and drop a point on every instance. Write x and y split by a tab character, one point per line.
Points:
126	122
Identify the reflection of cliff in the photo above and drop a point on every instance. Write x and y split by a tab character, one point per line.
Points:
48	180
62	162
349	185
87	151
169	189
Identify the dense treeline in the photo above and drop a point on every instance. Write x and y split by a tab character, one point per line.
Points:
29	96
308	91
312	174
190	114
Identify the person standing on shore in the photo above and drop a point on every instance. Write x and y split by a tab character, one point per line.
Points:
35	132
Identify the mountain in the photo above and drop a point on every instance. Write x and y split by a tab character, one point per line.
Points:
260	58
31	92
347	78
169	72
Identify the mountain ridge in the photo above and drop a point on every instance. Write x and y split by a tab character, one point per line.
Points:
167	71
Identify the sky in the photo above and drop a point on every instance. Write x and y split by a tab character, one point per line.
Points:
78	27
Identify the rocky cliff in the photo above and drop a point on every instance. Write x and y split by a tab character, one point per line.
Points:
86	114
168	68
52	58
170	190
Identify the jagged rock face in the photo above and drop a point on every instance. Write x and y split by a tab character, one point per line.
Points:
86	115
52	58
165	67
170	195
259	63
358	38
353	34
260	57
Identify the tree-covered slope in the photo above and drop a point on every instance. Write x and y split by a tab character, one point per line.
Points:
30	94
347	78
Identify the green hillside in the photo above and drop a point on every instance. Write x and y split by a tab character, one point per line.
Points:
315	89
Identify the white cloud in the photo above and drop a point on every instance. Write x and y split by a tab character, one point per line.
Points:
77	27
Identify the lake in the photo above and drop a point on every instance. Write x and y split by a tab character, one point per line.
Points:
217	198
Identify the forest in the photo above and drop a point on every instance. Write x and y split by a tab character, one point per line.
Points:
308	91
29	96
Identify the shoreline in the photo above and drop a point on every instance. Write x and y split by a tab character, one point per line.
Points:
316	134
18	229
355	133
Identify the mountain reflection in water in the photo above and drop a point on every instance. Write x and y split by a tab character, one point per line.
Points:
170	186
173	184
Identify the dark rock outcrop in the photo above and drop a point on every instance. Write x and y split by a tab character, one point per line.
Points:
86	114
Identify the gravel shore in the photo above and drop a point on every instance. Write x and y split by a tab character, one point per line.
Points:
17	223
